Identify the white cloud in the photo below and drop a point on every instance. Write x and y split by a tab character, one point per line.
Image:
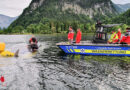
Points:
121	1
13	7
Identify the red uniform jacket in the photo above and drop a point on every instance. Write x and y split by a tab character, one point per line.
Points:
125	39
119	35
70	35
78	37
33	40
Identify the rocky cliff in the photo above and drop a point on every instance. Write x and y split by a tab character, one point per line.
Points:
80	10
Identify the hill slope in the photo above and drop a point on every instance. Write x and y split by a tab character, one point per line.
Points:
124	7
123	18
65	10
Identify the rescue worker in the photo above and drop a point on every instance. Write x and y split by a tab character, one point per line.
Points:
78	36
126	39
114	38
119	34
33	44
70	35
99	26
33	40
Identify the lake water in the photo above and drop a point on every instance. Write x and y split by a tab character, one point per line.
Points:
51	69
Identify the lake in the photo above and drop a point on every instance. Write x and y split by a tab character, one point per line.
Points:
52	69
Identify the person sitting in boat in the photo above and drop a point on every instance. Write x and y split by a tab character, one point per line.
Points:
126	39
119	34
70	35
114	38
78	36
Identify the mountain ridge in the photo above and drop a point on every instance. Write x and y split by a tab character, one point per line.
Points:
80	10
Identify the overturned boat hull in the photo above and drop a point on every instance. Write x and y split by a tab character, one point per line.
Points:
89	48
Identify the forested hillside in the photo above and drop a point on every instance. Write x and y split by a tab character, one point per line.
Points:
55	16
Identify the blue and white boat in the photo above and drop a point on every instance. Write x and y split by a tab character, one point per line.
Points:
88	48
98	46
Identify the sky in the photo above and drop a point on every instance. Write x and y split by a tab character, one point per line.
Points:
121	1
14	8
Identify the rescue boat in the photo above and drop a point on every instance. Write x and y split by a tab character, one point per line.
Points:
97	47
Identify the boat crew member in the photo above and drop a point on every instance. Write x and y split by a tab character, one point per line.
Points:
126	39
119	34
70	35
114	38
78	36
99	28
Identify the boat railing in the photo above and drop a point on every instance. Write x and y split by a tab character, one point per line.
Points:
89	43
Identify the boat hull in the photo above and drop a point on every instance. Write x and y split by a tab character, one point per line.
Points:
96	50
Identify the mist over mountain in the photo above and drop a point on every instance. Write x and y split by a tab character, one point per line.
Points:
5	21
122	18
122	7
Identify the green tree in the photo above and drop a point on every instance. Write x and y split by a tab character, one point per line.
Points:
124	26
31	28
17	29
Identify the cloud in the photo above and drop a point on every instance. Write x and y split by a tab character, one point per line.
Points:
121	1
13	7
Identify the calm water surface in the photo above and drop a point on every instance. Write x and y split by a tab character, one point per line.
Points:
51	69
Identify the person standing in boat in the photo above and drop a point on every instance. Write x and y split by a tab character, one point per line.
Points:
70	35
114	38
78	36
99	29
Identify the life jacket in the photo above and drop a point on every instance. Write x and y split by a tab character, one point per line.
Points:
125	39
33	40
70	35
2	47
5	53
113	37
119	35
78	36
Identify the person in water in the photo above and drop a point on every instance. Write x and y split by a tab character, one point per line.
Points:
33	43
78	36
33	40
70	35
114	38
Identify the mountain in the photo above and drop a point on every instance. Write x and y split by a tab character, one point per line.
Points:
124	7
40	11
5	21
123	18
